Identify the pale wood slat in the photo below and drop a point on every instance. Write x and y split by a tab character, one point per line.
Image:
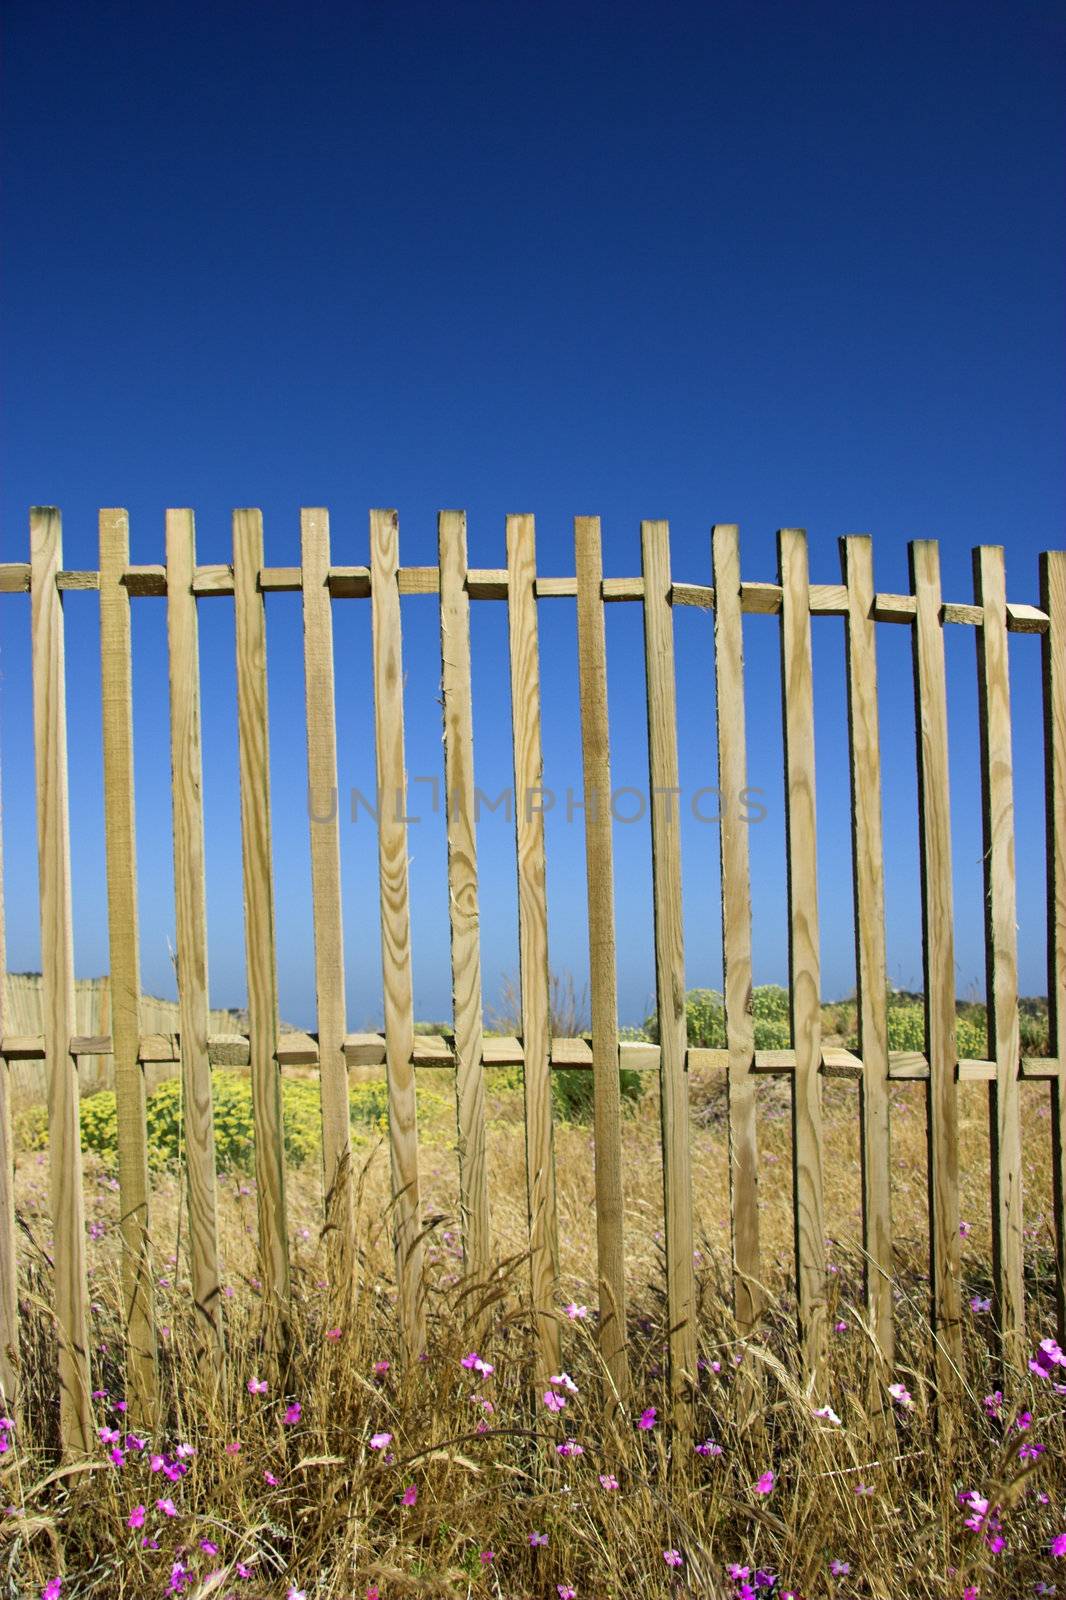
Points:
9	1310
868	870
191	925
803	945
57	986
1001	948
253	749
938	941
533	938
116	679
1053	652
396	926
736	926
324	814
603	980
669	967
463	916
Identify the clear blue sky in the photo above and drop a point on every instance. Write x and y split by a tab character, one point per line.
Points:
773	264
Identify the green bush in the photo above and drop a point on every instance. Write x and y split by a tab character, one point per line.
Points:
705	1018
573	1092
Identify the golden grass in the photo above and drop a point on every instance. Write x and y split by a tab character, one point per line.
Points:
482	1457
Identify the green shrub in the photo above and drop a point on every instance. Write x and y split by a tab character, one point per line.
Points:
705	1018
573	1092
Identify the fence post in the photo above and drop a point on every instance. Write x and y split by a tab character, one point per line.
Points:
670	971
1001	950
938	940
57	970
1053	602
124	988
603	978
9	1309
463	919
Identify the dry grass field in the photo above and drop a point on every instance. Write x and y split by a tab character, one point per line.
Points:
350	1477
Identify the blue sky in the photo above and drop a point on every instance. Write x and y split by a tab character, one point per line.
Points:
778	265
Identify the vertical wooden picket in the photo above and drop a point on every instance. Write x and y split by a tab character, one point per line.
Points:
9	1309
116	679
457	709
1001	949
533	937
938	940
57	980
323	806
254	758
669	966
396	926
868	874
186	760
803	944
736	926
603	979
1053	602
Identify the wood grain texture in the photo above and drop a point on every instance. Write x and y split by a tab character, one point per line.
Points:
736	926
116	680
253	748
463	914
938	940
669	967
603	979
57	975
1001	950
9	1309
797	683
190	907
396	926
324	819
1053	654
533	938
868	877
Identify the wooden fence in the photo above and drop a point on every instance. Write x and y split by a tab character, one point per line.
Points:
266	1051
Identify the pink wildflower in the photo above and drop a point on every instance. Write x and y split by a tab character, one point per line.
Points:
576	1312
410	1494
167	1507
608	1480
378	1441
570	1447
51	1589
268	1477
565	1591
257	1386
292	1414
136	1518
537	1540
765	1483
647	1418
1058	1545
901	1396
553	1401
673	1558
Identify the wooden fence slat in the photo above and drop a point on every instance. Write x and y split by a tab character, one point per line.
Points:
463	916
533	937
396	926
1001	949
9	1310
191	925
324	817
116	680
603	978
803	944
736	927
57	973
253	746
938	940
1053	649
669	966
868	870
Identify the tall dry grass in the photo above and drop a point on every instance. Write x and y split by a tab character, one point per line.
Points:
310	1504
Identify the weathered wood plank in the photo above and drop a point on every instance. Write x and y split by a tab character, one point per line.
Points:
116	679
533	937
253	749
603	979
9	1308
396	925
938	940
463	915
1001	949
868	875
324	813
1053	651
803	945
57	975
669	967
736	926
191	925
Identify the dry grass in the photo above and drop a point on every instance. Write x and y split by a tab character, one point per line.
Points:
488	1475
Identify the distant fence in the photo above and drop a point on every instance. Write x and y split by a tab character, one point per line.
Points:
794	601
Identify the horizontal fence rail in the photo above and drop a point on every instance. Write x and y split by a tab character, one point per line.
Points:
52	1021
